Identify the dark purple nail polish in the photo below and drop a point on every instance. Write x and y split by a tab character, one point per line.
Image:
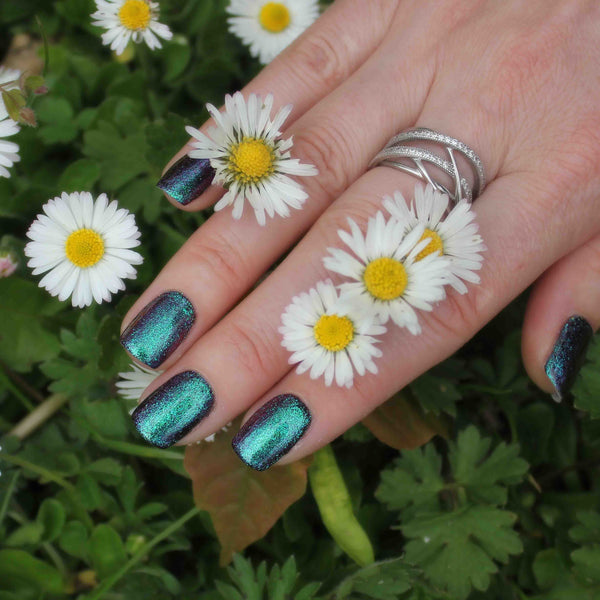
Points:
568	354
159	328
187	179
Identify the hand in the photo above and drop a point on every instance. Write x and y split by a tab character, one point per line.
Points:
518	82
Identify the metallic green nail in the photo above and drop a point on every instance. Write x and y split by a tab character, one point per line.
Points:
272	431
159	328
173	409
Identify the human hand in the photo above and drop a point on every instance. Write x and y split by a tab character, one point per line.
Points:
516	81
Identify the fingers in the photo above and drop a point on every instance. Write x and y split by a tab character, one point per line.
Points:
298	415
562	314
220	262
241	357
324	56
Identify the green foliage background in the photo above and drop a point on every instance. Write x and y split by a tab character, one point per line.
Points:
506	508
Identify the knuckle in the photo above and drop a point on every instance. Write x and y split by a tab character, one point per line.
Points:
328	148
254	353
318	59
224	260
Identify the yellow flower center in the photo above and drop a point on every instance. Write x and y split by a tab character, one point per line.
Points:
135	14
385	278
274	17
251	160
334	333
435	244
84	248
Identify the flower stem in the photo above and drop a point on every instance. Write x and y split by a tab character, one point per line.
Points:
38	416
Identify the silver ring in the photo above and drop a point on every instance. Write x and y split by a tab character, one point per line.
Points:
399	154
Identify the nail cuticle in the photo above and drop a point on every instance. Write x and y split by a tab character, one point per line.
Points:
272	431
159	328
187	179
174	409
568	354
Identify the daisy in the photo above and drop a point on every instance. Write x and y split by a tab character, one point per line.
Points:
127	20
268	27
249	159
133	383
391	276
9	80
454	236
8	150
85	246
328	339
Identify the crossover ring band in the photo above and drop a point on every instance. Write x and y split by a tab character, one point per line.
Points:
400	154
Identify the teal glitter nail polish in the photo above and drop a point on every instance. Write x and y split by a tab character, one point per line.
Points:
159	328
187	179
272	431
568	354
174	409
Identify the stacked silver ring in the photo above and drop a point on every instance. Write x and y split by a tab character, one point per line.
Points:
400	154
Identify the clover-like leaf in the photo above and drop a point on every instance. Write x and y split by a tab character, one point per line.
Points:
485	477
458	550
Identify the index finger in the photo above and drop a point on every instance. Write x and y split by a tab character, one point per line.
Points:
326	54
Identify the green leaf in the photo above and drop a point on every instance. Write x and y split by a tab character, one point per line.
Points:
74	539
107	551
485	477
21	571
121	159
56	117
385	580
13	101
586	563
588	530
26	336
413	482
51	517
176	56
435	394
458	550
586	391
79	175
28	534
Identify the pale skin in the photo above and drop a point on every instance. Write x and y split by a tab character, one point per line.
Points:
518	81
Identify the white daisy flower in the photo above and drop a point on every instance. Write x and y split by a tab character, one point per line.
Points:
327	338
126	20
133	383
268	27
249	159
9	80
454	236
392	277
85	246
9	151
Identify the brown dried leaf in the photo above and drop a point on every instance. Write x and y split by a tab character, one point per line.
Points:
243	504
402	424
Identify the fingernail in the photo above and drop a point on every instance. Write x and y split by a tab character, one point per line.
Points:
187	179
272	431
159	328
568	355
173	409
